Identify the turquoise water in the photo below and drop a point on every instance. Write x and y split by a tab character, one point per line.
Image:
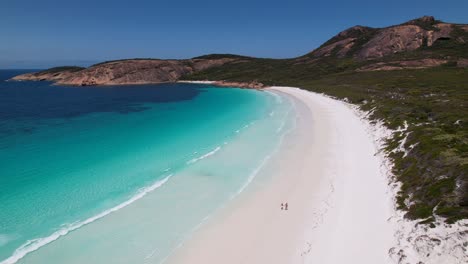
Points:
124	174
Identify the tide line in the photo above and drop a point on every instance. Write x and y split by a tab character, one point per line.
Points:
204	155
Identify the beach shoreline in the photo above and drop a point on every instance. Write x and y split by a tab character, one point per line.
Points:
244	85
336	188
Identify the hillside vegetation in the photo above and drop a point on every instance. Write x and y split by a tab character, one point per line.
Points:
433	103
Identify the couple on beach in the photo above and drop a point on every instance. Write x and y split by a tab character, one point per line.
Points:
284	206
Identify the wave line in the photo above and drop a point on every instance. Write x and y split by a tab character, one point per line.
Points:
35	244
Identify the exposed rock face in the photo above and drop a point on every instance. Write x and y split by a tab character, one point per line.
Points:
393	40
342	43
402	38
129	72
136	71
250	85
442	31
364	43
53	74
202	64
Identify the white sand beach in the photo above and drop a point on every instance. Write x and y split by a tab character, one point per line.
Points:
338	196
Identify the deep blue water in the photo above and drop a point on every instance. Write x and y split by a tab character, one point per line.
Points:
27	100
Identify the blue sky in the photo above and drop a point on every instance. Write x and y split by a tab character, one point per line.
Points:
45	33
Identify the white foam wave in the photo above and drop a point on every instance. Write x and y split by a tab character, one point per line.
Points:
35	244
281	127
254	173
277	97
203	156
252	176
151	254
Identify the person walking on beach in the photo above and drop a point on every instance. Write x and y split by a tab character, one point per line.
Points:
284	206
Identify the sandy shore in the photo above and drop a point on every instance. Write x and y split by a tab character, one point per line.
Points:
338	197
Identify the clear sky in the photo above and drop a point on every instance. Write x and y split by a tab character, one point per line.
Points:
45	33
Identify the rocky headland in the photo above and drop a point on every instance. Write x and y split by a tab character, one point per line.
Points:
124	72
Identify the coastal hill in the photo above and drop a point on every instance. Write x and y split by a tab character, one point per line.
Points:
131	71
413	77
417	44
369	43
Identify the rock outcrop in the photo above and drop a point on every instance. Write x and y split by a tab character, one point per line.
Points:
53	74
129	72
125	72
249	85
341	44
364	43
393	40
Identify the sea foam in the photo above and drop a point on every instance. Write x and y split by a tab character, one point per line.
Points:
35	244
277	97
204	155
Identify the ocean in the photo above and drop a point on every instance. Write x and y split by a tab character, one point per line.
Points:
124	174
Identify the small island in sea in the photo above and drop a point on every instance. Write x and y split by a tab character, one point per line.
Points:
353	153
